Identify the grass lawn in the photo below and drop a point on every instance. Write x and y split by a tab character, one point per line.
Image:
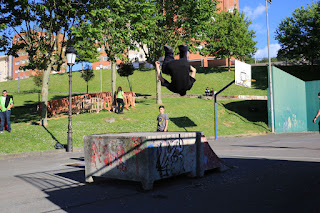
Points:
186	114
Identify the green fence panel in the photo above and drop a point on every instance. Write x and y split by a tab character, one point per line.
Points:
289	102
312	100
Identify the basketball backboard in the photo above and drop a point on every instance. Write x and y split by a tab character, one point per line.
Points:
242	74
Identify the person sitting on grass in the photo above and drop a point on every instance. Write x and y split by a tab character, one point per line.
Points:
182	74
207	91
211	92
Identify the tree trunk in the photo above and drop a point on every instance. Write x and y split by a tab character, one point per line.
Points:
130	86
229	64
44	96
87	87
158	97
113	78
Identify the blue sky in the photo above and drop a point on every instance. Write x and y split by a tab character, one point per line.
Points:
277	11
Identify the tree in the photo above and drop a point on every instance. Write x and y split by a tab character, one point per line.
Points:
109	25
37	78
125	70
229	35
173	23
87	74
3	37
299	35
45	32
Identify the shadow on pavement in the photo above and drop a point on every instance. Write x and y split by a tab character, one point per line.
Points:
254	185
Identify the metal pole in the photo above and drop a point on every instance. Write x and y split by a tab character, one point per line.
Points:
100	77
18	81
270	73
69	146
215	118
215	109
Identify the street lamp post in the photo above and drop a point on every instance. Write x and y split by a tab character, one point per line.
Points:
270	74
18	81
71	58
100	77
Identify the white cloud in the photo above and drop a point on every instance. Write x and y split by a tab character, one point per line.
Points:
253	13
259	28
263	53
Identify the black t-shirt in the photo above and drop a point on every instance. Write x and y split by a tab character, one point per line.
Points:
180	79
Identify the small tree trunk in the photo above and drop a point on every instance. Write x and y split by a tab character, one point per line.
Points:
113	78
44	96
158	96
229	64
87	87
130	86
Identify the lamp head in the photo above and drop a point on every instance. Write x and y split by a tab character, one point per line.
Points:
71	54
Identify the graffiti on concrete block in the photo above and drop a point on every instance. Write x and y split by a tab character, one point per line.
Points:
111	154
136	145
114	153
95	154
170	158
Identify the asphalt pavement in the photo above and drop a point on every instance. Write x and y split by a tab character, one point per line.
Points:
269	173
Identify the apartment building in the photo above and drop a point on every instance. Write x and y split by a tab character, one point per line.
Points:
22	59
196	59
5	67
137	56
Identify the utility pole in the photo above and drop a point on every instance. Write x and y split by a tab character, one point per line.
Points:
270	72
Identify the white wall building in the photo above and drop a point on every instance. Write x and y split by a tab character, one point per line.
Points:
5	67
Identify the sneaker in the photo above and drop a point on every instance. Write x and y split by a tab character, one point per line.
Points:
168	49
183	51
1	131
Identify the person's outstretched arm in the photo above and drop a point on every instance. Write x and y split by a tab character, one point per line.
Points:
315	118
157	63
193	72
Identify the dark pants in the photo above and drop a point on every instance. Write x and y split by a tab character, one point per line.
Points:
168	56
120	101
5	116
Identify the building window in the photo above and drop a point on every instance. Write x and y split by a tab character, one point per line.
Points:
17	62
99	49
105	58
23	61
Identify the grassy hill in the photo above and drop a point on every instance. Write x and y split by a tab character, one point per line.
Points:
186	114
144	82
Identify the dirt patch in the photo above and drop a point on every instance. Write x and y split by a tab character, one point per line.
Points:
228	123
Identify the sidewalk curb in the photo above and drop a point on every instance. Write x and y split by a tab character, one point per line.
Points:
238	135
80	149
37	153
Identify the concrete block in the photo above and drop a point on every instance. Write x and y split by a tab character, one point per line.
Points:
147	156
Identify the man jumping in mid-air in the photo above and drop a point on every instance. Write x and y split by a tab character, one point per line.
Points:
182	74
